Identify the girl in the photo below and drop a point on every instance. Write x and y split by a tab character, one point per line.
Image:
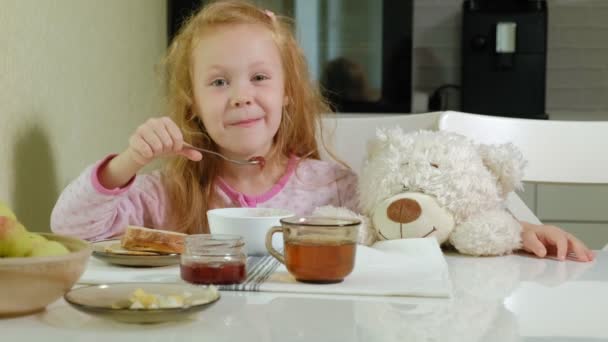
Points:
238	85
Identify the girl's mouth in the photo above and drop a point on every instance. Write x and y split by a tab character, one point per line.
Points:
246	123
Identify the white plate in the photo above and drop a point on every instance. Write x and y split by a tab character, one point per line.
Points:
98	300
132	260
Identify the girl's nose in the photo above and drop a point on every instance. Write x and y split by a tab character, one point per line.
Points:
241	102
242	96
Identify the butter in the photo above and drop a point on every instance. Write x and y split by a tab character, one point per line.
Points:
141	299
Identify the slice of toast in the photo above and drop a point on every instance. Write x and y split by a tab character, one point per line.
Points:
152	240
116	248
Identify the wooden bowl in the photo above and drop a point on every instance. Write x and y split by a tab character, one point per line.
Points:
29	284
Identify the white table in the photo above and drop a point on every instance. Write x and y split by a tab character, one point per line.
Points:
513	298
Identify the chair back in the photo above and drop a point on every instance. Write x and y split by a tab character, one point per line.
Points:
556	151
347	134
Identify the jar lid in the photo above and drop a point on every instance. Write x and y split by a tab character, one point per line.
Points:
211	242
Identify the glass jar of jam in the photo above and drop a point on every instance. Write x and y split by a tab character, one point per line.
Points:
217	259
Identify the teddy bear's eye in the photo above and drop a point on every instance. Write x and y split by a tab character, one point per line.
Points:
435	165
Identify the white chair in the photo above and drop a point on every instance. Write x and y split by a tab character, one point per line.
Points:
558	152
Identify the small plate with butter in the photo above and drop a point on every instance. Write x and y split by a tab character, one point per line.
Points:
142	302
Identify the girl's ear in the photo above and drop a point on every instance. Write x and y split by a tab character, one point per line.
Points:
193	114
285	101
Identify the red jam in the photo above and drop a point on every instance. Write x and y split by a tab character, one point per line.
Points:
214	273
261	161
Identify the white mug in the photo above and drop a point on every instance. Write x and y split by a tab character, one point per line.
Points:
250	223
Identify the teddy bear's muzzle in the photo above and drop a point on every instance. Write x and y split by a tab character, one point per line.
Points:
411	215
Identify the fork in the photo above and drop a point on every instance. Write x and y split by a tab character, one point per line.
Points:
252	161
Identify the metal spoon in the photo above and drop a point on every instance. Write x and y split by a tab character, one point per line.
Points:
252	161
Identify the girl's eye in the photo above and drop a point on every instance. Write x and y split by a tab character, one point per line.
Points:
219	82
435	165
260	77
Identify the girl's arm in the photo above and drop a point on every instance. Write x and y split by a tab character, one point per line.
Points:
119	171
346	184
107	197
89	210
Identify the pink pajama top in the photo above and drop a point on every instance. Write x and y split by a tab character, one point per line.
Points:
88	210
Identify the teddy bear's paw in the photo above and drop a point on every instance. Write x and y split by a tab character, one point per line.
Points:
493	232
366	235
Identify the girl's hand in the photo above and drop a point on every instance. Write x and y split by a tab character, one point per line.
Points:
158	137
546	240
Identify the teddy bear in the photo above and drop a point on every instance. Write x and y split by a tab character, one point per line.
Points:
440	184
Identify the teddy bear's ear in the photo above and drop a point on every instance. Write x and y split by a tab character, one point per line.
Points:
379	142
507	163
381	150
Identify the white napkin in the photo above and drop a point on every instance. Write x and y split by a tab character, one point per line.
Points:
409	267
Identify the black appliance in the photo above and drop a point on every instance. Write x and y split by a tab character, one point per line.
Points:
504	57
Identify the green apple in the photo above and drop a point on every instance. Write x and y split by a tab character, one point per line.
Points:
14	238
36	238
6	211
48	248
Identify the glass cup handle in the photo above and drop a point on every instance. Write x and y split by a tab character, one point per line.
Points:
269	247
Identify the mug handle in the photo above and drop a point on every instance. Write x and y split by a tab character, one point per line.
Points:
269	247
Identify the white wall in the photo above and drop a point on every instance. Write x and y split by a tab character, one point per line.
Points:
76	77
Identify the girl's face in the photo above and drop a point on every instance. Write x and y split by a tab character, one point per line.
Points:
239	88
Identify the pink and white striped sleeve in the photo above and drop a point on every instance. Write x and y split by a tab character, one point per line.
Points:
87	210
347	187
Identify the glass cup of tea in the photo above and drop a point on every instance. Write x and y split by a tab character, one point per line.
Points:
317	249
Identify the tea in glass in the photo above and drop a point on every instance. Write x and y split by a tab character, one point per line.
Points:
317	249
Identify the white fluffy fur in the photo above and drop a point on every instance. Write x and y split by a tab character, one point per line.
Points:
468	179
493	232
507	163
399	162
